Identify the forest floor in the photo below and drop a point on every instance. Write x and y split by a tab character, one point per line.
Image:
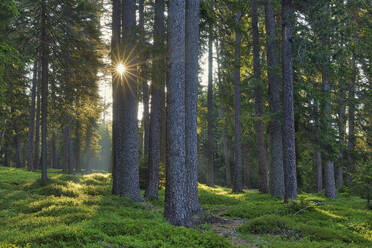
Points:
79	211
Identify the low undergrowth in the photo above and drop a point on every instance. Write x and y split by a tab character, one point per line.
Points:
79	211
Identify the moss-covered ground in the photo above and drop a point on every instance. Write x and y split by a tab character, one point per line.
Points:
79	211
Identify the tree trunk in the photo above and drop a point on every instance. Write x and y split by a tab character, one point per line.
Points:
341	129
319	171
158	72
32	119
176	207
116	82
246	169
289	151
126	148
44	92
351	135
226	150
329	175
77	146
145	87
260	129
211	139
54	151
276	146
36	163
18	163
65	149
238	170
191	101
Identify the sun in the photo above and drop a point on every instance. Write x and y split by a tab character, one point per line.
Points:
120	69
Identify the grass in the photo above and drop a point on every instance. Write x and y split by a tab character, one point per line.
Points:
79	211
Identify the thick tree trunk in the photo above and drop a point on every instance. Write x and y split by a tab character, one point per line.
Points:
158	72
238	170
191	100
211	139
176	207
289	151
32	120
260	129
126	148
319	171
276	146
116	81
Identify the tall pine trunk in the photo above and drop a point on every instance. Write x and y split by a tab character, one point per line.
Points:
210	104
341	128
329	173
238	171
126	148
276	145
191	100
36	157
77	146
351	135
289	151
319	171
145	87
44	92
116	81
259	124
32	120
176	208
158	72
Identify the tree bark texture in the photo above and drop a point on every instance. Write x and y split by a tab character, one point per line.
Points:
289	151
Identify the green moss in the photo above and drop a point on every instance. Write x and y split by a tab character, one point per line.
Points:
80	211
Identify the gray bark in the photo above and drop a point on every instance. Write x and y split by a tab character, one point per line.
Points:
191	100
176	208
126	148
260	129
289	157
238	171
210	104
158	72
32	120
276	145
